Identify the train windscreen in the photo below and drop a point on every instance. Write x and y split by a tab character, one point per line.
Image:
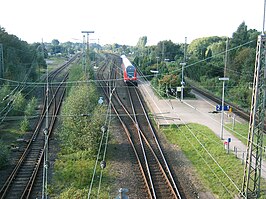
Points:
130	71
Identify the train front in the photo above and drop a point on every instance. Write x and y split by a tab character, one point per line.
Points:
130	72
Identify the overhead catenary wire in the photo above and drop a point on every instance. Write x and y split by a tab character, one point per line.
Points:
106	143
195	108
239	134
210	155
87	81
100	145
214	56
208	165
205	149
12	94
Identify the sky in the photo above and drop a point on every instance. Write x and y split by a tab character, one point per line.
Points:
124	22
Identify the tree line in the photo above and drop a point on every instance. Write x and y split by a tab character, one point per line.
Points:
20	58
205	63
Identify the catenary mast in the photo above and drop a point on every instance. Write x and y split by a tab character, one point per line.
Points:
252	169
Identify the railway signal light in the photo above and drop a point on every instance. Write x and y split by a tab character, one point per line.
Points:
45	131
100	101
103	164
104	129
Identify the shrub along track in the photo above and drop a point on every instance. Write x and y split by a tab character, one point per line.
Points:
156	177
25	181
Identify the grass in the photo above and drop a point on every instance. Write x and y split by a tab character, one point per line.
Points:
221	173
74	174
10	132
56	61
8	137
240	131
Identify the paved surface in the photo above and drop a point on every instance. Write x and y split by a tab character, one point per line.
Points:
199	110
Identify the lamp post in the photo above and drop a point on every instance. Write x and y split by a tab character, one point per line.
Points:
182	75
45	164
45	131
84	55
224	79
222	113
88	49
157	58
182	80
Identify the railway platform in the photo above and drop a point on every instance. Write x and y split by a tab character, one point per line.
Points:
200	110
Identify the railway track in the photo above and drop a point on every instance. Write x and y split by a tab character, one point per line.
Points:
237	110
240	112
25	179
128	105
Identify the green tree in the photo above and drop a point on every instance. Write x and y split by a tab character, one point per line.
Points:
18	103
18	57
240	36
24	125
56	48
142	42
55	42
168	50
200	46
30	108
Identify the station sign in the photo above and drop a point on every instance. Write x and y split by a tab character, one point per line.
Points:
154	71
225	108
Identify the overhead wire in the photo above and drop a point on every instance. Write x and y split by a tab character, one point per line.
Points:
74	82
100	146
20	86
215	55
206	163
106	141
14	97
199	142
218	122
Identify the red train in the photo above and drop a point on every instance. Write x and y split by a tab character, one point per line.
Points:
129	72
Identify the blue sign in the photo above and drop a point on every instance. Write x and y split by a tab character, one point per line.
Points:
219	108
228	139
226	108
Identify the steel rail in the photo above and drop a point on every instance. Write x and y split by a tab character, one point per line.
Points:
126	131
27	191
27	150
141	136
159	147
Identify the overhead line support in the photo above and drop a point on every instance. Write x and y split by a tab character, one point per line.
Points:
253	163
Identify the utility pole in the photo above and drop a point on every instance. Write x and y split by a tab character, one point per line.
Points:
46	136
182	75
88	49
1	61
226	56
84	55
253	163
157	58
162	51
224	79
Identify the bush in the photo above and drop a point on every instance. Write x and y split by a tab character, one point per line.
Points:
4	154
30	108
77	132
25	124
